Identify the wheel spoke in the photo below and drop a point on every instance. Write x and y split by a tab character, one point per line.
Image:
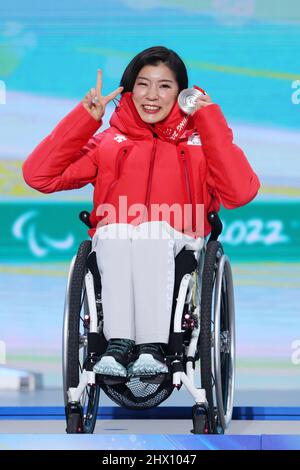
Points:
223	359
213	380
91	395
82	299
86	395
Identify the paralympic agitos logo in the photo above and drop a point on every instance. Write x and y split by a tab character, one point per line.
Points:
40	244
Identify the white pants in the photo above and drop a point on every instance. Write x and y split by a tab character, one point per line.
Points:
137	269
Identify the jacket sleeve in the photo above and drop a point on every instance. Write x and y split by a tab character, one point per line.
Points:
230	175
65	159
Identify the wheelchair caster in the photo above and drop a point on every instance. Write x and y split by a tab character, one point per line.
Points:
200	420
74	419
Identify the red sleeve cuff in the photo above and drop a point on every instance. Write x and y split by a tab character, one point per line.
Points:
210	121
78	122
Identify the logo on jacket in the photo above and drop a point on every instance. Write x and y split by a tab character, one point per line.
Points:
120	138
194	139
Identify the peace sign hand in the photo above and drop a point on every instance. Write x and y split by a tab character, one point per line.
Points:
95	103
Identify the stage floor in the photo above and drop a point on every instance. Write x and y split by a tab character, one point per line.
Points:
147	426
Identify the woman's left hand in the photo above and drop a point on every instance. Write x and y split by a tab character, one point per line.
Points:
202	102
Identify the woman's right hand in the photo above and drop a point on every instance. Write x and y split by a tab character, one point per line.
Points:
94	102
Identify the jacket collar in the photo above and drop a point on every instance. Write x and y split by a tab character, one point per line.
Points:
128	121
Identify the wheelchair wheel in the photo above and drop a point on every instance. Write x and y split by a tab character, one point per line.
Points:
217	337
81	417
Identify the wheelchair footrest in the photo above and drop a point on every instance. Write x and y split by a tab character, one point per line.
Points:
154	379
102	379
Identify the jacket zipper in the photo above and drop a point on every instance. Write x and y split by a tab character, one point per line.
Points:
149	183
188	187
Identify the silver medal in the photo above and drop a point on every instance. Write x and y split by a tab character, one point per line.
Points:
187	99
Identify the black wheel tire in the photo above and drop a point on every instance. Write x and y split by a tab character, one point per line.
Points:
74	365
205	338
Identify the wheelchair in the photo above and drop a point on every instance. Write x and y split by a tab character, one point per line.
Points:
202	330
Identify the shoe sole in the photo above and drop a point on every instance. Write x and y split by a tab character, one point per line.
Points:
147	365
109	366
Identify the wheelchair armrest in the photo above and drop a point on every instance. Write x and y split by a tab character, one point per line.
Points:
216	225
84	216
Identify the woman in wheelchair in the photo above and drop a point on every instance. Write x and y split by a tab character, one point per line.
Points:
138	261
156	154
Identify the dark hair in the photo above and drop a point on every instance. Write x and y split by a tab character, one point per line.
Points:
154	56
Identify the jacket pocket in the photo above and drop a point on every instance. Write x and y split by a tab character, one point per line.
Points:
119	164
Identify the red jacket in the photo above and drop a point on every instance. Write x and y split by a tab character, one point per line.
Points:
183	160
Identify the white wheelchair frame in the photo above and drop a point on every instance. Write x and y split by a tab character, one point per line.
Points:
189	294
